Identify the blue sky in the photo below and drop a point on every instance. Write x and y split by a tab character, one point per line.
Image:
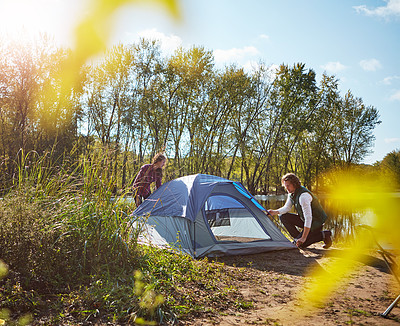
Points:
357	41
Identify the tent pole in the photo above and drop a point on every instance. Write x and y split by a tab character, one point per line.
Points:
389	309
194	239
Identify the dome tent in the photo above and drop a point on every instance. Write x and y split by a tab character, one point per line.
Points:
205	215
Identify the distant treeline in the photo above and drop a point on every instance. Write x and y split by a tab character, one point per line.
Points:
251	126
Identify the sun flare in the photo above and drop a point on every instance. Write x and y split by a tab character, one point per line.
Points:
23	18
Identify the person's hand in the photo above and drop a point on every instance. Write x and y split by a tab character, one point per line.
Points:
300	241
272	212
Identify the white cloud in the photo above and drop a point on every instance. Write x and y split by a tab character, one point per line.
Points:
333	67
395	96
264	36
251	65
392	8
235	54
168	43
392	140
370	64
390	79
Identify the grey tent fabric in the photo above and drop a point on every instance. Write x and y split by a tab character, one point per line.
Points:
205	215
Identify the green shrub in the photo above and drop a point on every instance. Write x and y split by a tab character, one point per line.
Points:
73	256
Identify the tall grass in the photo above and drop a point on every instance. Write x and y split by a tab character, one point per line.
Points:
73	255
71	207
60	231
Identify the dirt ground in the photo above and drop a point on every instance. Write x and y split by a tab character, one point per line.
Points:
274	282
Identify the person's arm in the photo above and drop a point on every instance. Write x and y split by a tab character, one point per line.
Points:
305	200
284	209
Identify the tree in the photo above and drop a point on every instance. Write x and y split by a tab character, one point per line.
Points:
190	80
291	109
36	111
313	151
353	136
391	165
248	124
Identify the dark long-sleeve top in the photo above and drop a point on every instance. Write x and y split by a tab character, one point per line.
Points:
145	177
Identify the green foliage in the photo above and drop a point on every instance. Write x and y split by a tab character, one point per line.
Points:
72	252
390	165
251	126
53	242
66	217
188	285
5	314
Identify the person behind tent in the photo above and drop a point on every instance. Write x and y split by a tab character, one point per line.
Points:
148	174
310	215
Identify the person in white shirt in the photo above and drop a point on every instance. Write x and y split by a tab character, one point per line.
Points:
310	215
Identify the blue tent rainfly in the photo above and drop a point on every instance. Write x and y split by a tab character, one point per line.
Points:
205	215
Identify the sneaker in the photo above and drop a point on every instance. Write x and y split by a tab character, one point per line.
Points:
327	239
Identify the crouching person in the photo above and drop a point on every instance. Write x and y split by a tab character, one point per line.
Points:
310	215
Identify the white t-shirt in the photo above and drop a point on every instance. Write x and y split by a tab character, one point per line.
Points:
305	200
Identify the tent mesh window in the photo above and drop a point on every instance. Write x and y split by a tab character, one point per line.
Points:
217	217
230	220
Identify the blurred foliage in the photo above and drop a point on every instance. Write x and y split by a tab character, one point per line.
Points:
5	314
375	195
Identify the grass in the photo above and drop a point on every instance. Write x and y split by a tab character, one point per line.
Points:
71	256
